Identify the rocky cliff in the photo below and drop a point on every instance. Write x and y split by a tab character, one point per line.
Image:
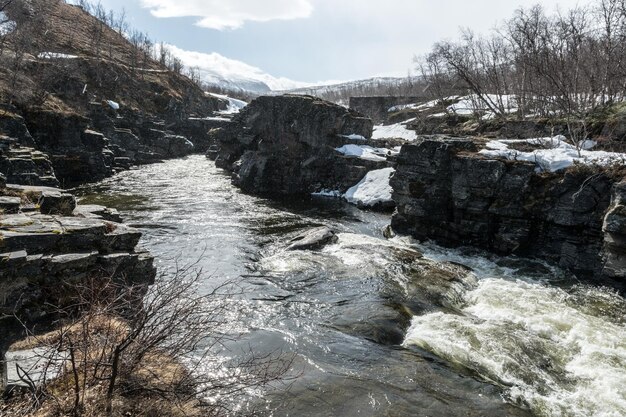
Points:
446	192
49	247
285	145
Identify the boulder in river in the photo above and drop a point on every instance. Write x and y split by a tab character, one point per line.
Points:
313	239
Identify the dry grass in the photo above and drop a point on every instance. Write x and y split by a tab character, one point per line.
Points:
140	393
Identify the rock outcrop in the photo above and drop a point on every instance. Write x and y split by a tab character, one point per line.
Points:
45	257
446	192
285	145
21	164
313	239
615	234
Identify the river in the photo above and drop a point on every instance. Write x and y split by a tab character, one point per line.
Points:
514	337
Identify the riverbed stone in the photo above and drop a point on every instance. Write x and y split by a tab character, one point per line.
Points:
313	239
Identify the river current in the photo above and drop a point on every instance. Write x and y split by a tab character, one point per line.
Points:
372	332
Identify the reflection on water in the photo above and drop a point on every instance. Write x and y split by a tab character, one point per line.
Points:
474	338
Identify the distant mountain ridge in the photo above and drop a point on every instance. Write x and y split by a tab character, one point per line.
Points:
218	71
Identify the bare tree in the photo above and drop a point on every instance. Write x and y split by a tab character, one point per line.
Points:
159	342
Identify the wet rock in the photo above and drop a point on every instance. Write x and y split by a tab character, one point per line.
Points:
313	239
175	146
122	162
3	181
284	145
54	202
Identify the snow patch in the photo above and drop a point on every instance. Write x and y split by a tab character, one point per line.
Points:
555	153
354	137
234	105
472	104
364	152
327	193
373	189
395	131
55	55
6	25
114	105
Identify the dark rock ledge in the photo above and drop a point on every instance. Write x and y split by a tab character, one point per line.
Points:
448	193
41	253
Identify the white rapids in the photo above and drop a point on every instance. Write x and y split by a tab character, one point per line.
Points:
561	353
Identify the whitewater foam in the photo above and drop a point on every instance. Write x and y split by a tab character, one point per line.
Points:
551	351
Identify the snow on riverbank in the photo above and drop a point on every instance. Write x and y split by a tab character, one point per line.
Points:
395	131
373	190
553	154
365	152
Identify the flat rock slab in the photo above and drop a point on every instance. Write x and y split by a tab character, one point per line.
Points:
94	211
55	202
10	205
38	233
38	365
313	239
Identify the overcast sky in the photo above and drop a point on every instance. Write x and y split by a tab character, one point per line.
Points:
315	40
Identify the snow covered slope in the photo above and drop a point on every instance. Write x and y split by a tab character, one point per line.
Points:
215	69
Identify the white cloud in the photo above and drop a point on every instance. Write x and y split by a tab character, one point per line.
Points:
230	14
216	69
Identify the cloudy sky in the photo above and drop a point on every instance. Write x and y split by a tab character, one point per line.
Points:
315	40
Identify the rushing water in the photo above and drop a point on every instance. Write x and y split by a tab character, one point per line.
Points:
375	329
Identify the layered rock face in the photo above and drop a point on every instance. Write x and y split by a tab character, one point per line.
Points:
45	257
25	165
285	145
615	234
446	192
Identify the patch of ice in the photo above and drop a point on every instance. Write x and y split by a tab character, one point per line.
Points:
364	152
55	55
556	153
373	189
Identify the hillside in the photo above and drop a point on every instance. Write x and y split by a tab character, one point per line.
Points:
59	57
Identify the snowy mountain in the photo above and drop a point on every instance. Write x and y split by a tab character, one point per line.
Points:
215	69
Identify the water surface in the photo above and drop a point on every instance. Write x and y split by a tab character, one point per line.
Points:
372	331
